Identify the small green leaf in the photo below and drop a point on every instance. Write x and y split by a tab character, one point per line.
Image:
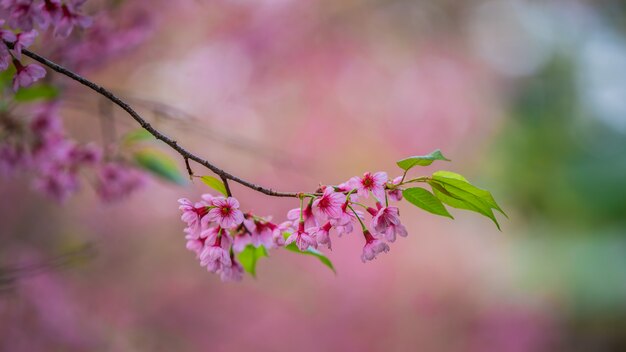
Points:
425	200
36	92
249	256
215	184
310	251
6	77
137	135
159	164
423	160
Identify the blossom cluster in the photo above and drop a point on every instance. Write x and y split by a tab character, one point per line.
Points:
217	230
18	22
36	142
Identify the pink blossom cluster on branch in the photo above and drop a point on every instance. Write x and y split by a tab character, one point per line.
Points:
36	142
217	229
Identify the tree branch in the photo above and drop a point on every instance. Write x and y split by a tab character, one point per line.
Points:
153	131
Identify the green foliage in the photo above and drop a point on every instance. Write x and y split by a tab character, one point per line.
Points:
310	251
138	135
35	93
424	160
425	200
455	191
249	256
159	164
215	184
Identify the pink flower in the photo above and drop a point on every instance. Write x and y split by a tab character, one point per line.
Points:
386	222
116	181
26	75
70	18
12	158
192	215
372	247
195	244
302	238
277	233
261	232
23	40
241	241
216	252
225	212
57	182
396	193
329	204
21	13
321	234
370	182
49	13
344	224
5	36
307	216
231	273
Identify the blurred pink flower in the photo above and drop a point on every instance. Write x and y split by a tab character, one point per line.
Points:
70	18
21	13
231	273
116	181
49	13
26	75
23	40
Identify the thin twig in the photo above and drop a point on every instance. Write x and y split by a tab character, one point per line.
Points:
189	171
153	131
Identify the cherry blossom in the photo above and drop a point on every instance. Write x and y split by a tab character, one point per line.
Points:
225	212
27	75
321	234
302	238
396	193
329	204
386	222
374	183
372	247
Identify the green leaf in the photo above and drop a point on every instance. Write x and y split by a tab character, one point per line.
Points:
6	77
215	184
249	256
310	251
454	190
460	182
423	160
425	200
36	92
137	135
159	164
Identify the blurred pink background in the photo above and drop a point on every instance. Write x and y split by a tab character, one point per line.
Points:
289	94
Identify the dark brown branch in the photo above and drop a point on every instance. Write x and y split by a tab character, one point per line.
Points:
148	127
